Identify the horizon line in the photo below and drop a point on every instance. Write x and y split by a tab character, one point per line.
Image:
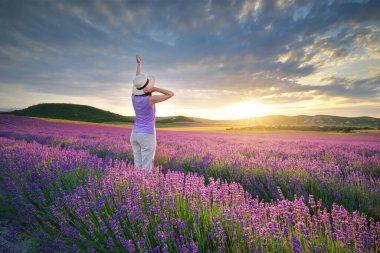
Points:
10	109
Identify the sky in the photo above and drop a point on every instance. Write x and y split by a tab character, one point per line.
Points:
222	59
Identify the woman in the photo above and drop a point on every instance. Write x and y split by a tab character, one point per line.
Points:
143	136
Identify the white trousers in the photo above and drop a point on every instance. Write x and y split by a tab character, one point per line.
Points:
144	148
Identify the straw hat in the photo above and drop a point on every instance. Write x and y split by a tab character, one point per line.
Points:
140	82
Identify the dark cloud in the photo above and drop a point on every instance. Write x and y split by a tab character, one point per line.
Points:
366	88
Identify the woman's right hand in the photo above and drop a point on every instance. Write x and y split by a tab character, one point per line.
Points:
138	59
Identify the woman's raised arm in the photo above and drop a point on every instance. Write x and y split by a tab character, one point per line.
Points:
138	60
158	98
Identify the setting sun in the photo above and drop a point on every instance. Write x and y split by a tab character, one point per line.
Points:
246	110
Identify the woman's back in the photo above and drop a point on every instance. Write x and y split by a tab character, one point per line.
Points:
145	115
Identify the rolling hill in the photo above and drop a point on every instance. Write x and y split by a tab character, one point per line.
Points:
92	114
317	120
71	112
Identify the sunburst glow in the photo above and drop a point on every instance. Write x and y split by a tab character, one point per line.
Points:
246	109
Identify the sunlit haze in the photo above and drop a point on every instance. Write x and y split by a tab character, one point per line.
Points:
222	59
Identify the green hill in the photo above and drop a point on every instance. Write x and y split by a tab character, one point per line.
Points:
92	114
175	119
317	120
71	112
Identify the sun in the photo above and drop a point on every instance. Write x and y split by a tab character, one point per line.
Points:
246	110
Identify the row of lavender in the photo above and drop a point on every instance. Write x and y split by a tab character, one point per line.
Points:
338	169
81	203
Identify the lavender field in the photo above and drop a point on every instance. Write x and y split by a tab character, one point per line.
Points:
72	188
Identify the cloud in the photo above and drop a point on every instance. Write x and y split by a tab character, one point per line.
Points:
360	88
251	48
